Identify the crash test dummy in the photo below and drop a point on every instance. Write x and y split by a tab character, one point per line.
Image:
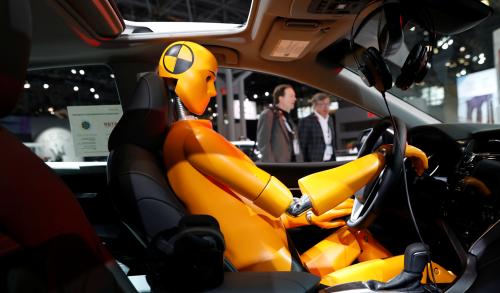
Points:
254	209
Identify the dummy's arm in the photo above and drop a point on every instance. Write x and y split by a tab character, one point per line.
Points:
326	189
214	156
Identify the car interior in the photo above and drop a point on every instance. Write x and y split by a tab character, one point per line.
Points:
119	225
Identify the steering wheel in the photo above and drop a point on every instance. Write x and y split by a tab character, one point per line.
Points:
367	201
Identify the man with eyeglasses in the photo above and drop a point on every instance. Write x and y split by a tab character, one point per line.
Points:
316	132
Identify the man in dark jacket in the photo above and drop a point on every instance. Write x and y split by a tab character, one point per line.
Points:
316	131
276	133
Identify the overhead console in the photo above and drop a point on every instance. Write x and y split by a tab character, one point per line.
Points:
291	39
304	24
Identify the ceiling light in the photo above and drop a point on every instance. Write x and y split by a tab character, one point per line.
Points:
96	96
266	94
412	28
467	56
481	61
462	49
474	58
255	96
82	72
445	46
92	90
45	86
27	85
481	55
75	88
463	72
112	75
73	71
450	42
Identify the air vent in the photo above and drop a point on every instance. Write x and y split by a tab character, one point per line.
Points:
335	6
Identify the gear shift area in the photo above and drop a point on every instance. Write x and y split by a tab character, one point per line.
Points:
416	257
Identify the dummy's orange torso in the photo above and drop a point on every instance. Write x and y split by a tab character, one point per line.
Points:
255	240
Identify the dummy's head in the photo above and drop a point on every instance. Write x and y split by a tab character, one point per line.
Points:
194	68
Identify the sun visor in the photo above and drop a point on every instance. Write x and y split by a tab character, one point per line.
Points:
98	19
289	39
447	17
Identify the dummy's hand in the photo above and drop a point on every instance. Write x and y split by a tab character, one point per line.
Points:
417	156
328	220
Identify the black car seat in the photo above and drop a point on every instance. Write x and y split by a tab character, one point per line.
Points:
46	242
136	176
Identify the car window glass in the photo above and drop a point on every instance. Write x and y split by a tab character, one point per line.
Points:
350	121
66	114
185	11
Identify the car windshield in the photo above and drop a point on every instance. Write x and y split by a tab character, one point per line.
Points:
462	83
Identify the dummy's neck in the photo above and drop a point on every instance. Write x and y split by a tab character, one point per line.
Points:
181	112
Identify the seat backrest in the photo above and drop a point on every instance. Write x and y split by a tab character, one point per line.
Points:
46	242
136	175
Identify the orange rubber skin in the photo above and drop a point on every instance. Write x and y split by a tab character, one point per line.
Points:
343	182
370	248
335	252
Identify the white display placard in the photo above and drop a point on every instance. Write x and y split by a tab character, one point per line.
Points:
91	127
250	109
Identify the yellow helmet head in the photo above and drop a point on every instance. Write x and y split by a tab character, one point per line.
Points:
195	69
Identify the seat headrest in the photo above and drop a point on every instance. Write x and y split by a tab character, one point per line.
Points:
146	119
15	29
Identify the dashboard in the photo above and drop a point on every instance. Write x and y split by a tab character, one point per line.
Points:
462	184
